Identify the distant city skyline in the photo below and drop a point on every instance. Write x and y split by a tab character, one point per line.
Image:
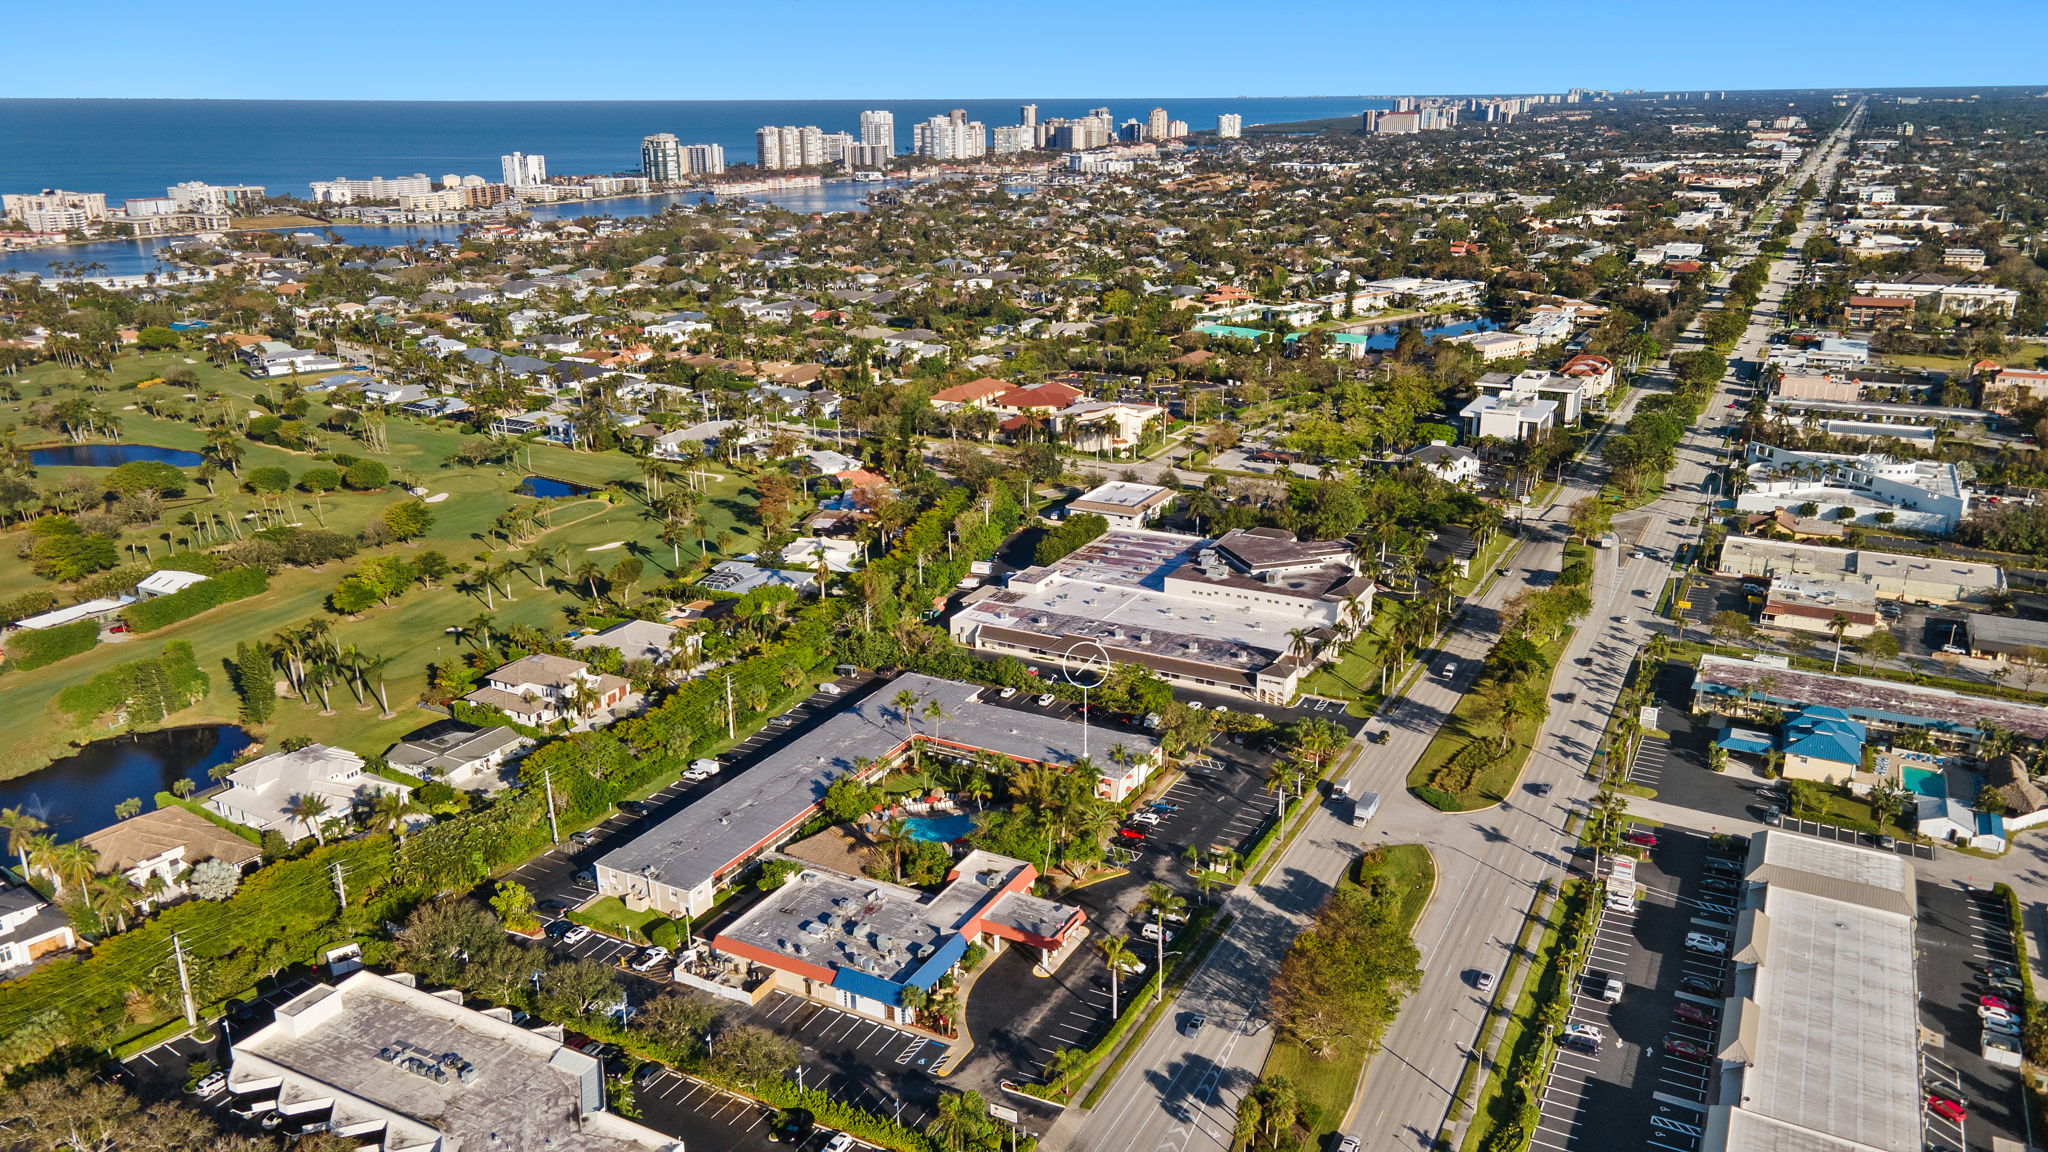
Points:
1195	46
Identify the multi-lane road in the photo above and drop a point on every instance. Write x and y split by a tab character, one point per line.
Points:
1180	1092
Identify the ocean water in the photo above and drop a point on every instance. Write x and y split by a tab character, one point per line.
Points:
136	148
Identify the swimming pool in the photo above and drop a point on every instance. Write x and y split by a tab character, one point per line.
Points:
1924	782
940	829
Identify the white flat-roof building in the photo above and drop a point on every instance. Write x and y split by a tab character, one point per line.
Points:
1122	503
1820	1042
1892	576
1244	614
398	1069
1927	495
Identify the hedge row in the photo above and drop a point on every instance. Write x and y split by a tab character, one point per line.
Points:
33	648
162	611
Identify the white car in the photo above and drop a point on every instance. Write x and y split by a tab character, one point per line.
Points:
1045	700
1992	1014
577	934
1451	670
1484	983
650	959
1701	942
1196	705
1007	694
1146	818
843	1142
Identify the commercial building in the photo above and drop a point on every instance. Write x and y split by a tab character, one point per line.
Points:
678	865
2011	388
1569	393
1246	614
2005	638
1735	687
1507	417
861	944
1925	495
1820	1037
1954	295
1810	604
1888	575
523	171
267	793
1229	126
397	1069
1122	503
1877	311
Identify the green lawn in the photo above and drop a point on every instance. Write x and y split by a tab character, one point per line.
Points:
2023	355
613	918
1327	1084
1493	783
412	631
1355	674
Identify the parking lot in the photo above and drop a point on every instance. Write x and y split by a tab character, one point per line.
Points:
1644	1083
1961	932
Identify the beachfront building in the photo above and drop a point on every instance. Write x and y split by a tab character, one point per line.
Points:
860	944
678	866
1248	614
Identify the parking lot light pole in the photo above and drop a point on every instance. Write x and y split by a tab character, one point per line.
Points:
1100	677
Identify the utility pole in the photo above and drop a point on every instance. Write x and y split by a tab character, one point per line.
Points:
547	783
340	886
184	981
730	730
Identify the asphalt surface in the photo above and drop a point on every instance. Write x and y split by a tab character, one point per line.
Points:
1959	932
1180	1092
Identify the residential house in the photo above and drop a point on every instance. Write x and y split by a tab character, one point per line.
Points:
166	844
538	690
1122	504
632	640
264	793
30	928
1447	462
460	755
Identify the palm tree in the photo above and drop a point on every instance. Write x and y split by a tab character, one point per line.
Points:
894	836
114	896
69	865
372	667
1839	625
22	828
1117	950
1063	1067
388	811
307	809
1165	905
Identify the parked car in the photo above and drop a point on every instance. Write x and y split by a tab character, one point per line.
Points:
1723	867
1701	942
1685	1049
1149	930
212	1082
1946	1108
1584	1037
1994	1002
1146	818
1987	1012
558	929
584	838
650	959
1611	989
1130	833
1045	700
1640	838
1693	1014
842	1142
1700	985
633	807
1721	884
576	934
1008	693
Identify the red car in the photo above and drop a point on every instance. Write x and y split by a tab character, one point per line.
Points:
1947	1109
1694	1014
1994	1002
1685	1049
1641	839
1131	833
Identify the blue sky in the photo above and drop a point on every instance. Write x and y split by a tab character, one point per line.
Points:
805	49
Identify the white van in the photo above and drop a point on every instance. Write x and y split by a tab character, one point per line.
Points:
1611	991
1701	942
